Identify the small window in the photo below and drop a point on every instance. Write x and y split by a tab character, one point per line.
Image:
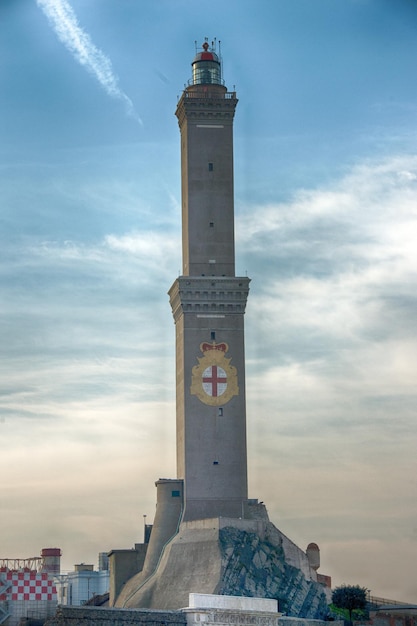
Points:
210	165
175	493
211	224
213	335
215	462
220	411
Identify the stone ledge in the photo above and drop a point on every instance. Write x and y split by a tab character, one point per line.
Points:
102	616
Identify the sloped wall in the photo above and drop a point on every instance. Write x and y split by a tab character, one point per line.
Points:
230	557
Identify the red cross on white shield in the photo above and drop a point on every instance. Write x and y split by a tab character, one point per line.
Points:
214	381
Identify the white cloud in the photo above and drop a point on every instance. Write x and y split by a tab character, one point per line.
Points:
134	257
149	246
341	263
331	346
360	208
63	20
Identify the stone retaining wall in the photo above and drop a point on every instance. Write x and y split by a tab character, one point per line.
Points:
99	616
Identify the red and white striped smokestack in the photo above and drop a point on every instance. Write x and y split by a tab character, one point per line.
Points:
51	560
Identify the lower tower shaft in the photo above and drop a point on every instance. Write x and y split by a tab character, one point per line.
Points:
211	416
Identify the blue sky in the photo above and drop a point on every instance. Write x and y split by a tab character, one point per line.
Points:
326	225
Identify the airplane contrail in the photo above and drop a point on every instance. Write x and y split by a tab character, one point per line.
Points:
63	20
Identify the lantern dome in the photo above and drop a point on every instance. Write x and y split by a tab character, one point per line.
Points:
206	67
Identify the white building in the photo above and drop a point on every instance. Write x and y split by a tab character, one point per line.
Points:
78	587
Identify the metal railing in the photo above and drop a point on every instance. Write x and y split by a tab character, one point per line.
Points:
374	602
203	95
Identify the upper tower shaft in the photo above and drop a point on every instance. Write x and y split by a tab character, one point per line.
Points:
205	115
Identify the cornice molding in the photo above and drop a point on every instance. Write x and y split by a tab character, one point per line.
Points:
209	295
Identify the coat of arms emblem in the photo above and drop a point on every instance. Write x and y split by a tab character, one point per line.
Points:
214	380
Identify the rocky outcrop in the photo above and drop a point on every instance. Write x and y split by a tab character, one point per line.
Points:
257	567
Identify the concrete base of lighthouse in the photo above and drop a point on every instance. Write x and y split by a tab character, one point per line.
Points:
229	556
215	610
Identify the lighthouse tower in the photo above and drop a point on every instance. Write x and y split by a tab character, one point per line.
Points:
208	304
207	537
